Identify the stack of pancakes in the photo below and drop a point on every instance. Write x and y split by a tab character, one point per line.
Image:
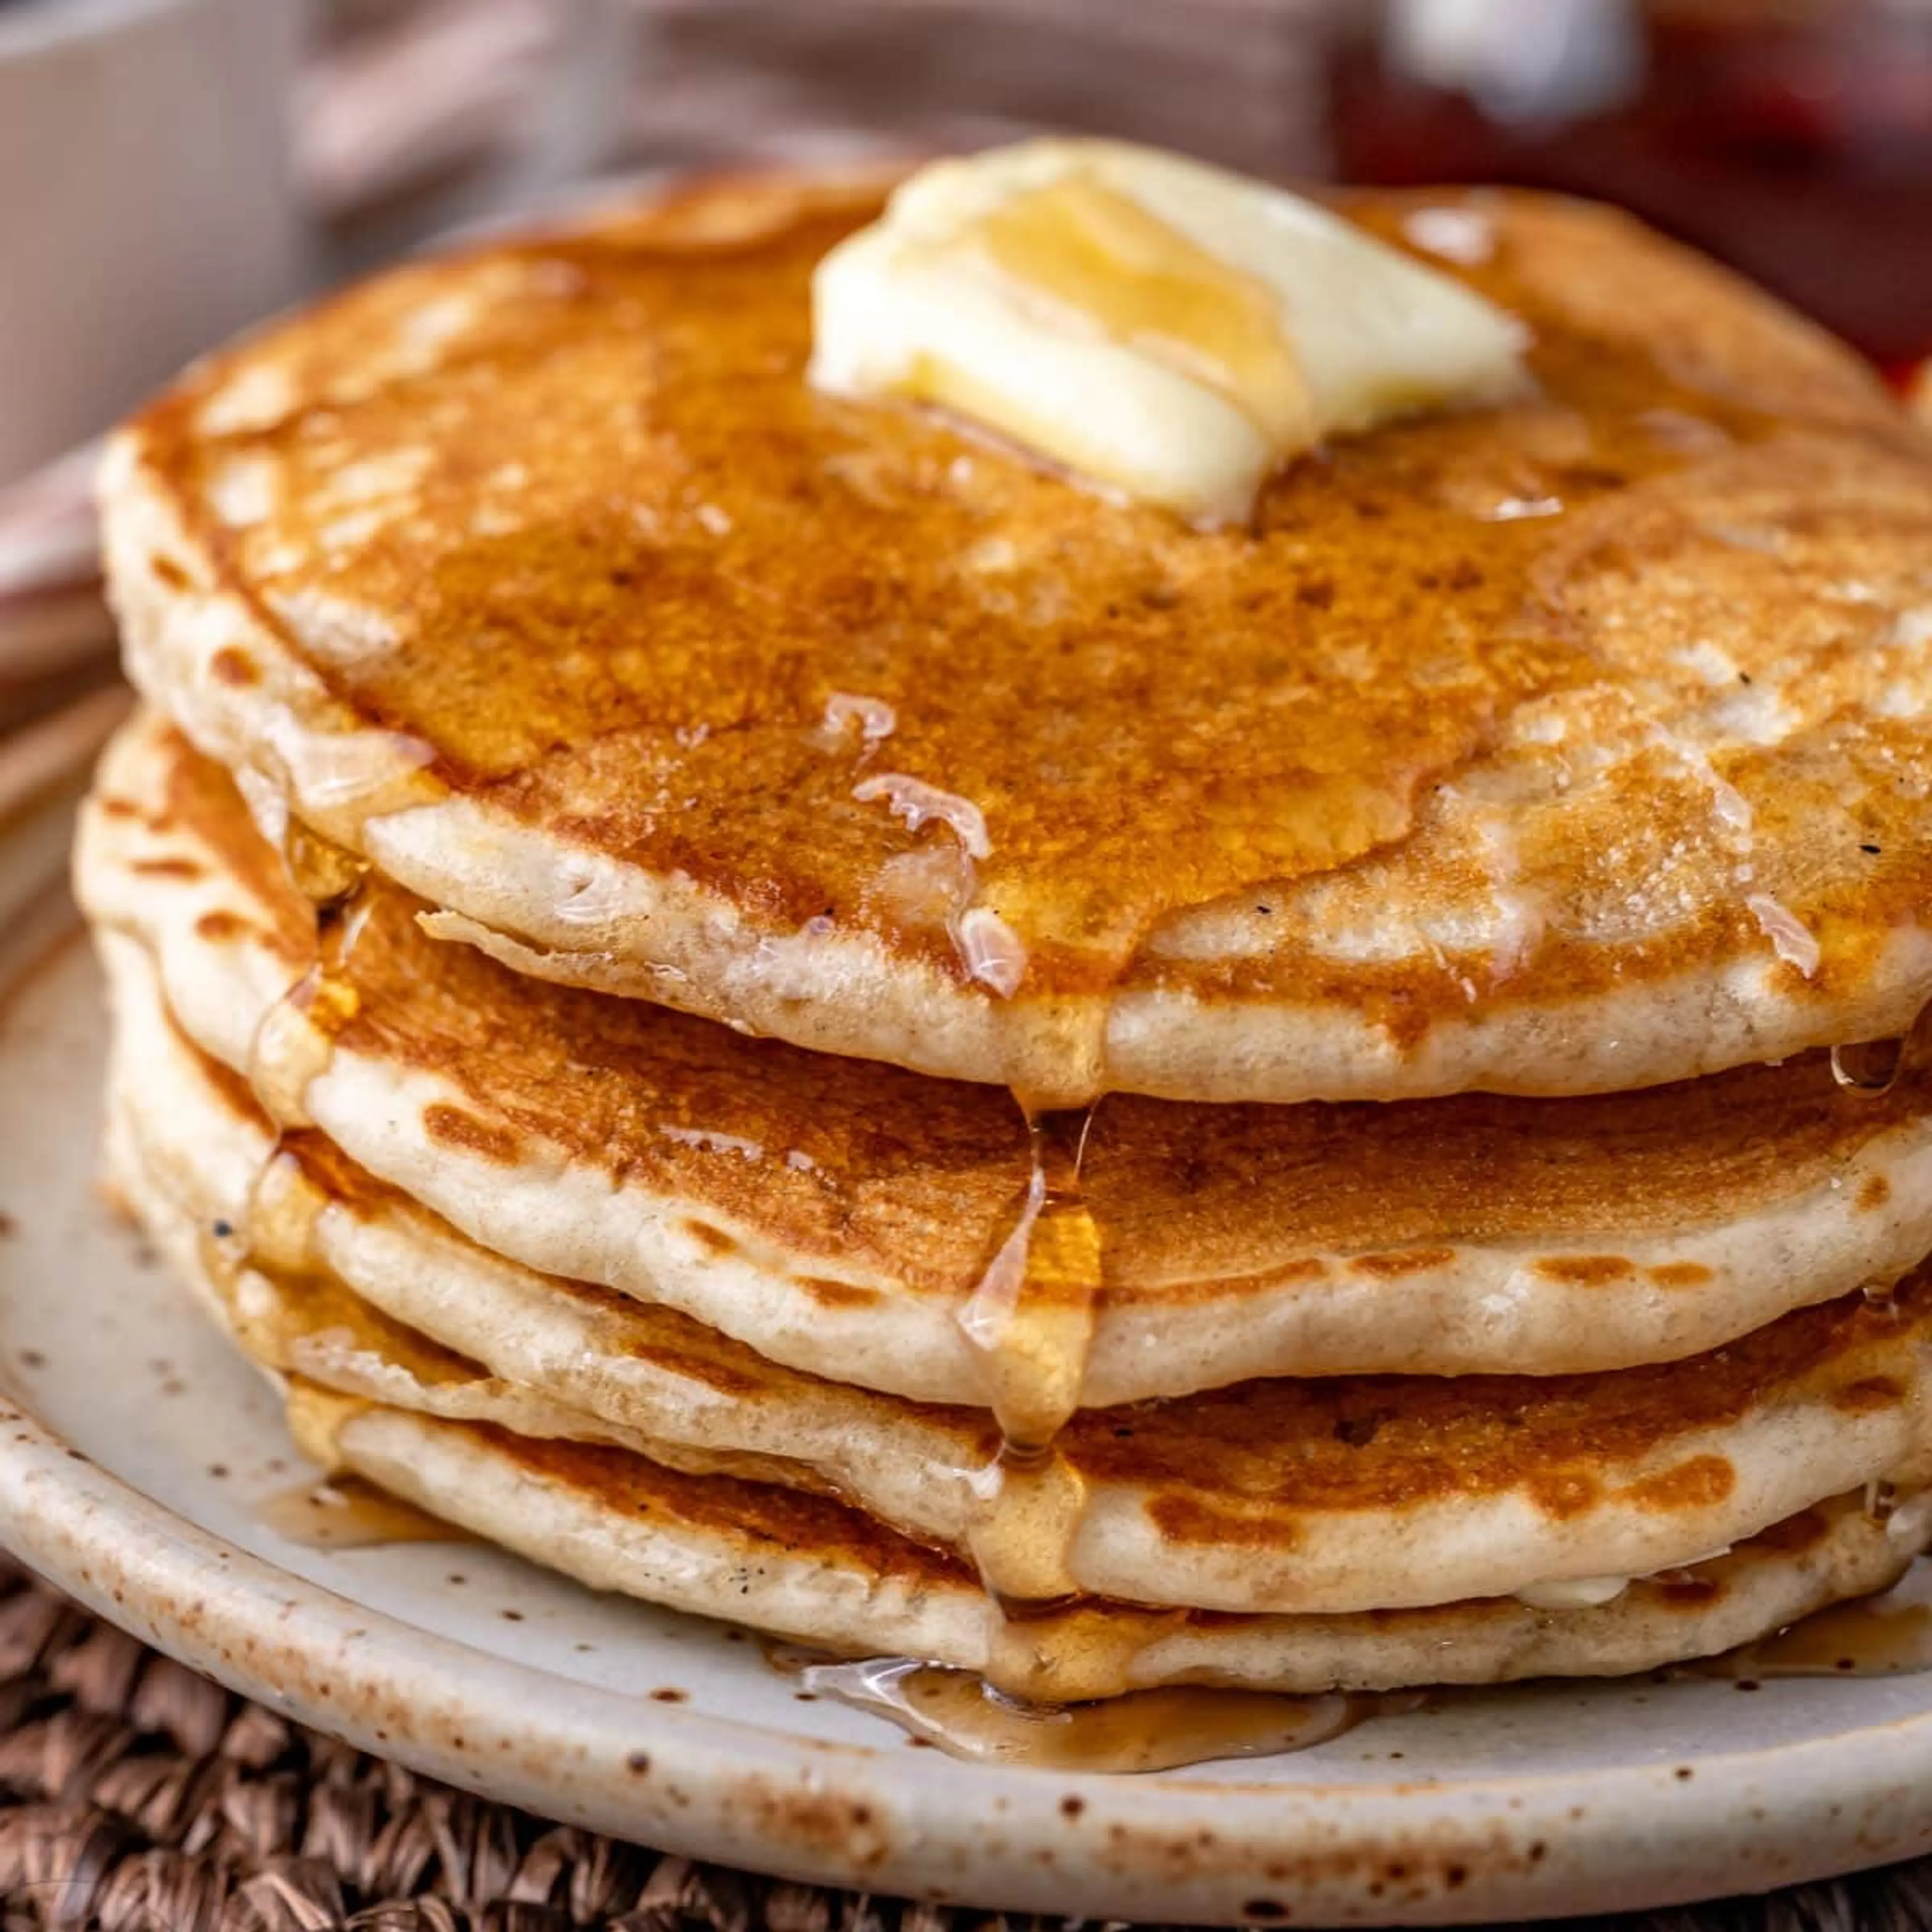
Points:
771	1006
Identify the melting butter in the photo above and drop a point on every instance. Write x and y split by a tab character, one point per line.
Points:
1161	327
1088	248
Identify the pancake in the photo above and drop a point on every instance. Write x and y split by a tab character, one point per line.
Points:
1573	745
795	1568
751	1543
1343	1495
836	1215
802	1566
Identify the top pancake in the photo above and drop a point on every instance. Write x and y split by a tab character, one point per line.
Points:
1571	746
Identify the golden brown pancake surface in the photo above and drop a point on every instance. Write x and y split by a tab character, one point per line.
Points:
1532	705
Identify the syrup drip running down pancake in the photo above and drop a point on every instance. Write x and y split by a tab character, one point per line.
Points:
837	1215
1573	745
1335	1496
795	1562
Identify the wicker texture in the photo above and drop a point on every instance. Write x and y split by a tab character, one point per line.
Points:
135	1796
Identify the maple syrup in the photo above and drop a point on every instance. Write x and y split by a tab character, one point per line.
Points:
1304	745
1879	1636
296	1036
1141	1731
325	873
277	1222
1138	281
1869	1066
293	1045
275	1235
1876	1067
1031	1320
344	1512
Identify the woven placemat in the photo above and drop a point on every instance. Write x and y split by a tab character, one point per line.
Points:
135	1796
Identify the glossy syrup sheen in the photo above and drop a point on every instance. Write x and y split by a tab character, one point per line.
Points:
1139	1731
275	1237
1030	1320
1159	1730
1139	280
1260	1462
1883	1636
634	558
345	1513
1048	1255
1274	756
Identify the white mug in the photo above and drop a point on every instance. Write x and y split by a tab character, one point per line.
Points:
147	203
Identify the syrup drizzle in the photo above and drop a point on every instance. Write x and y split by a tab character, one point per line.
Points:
325	873
1869	1066
1875	1067
1030	1320
1880	1636
296	1036
292	1046
968	1717
1141	1731
275	1232
344	1512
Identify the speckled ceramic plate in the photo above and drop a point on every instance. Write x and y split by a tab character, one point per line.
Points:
135	1451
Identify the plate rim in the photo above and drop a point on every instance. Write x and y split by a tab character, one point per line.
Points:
1186	1846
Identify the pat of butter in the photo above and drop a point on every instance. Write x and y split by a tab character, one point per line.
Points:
1161	327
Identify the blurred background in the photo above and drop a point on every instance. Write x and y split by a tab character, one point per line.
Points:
170	169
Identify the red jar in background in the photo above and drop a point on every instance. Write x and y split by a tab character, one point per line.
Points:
1791	138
